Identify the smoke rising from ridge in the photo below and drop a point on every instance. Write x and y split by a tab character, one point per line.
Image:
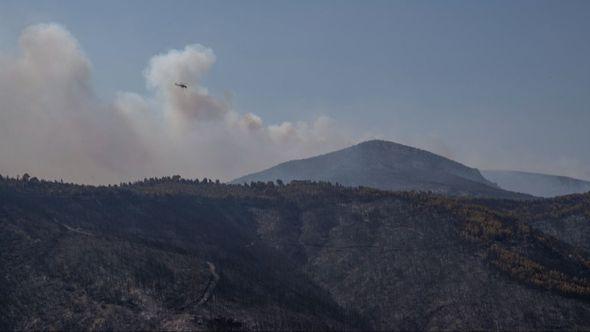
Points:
53	126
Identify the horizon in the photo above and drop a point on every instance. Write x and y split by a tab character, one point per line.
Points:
232	181
495	86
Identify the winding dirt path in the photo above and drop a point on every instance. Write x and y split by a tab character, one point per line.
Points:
76	230
211	286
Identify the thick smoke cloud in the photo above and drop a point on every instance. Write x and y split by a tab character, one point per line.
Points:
187	66
53	126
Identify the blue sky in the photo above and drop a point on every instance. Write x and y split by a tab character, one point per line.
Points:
494	84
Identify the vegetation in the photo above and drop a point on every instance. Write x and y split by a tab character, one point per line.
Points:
303	255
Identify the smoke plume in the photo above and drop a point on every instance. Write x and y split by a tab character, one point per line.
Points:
53	126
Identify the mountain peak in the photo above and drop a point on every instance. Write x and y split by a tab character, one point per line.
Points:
378	143
383	144
384	165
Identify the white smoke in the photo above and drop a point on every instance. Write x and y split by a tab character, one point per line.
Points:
187	66
53	126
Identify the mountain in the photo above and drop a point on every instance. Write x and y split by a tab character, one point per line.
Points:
542	185
388	166
175	254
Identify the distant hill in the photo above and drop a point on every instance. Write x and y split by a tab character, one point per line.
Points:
388	166
536	184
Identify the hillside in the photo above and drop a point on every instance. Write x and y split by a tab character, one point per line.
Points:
541	185
387	166
179	254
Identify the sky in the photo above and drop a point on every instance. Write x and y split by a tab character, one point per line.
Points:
494	84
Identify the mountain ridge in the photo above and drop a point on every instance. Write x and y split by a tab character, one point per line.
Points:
537	184
388	166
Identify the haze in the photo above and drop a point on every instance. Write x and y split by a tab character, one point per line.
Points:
87	90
